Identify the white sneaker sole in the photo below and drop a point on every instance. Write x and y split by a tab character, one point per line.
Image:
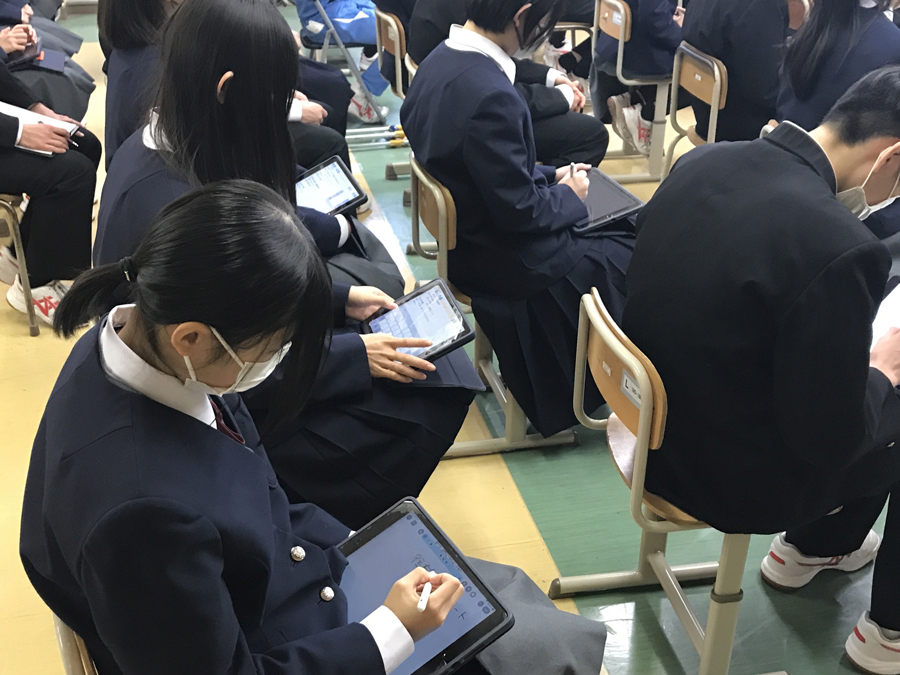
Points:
771	571
866	663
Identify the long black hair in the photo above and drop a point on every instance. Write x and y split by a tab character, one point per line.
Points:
131	24
231	255
495	15
246	136
818	37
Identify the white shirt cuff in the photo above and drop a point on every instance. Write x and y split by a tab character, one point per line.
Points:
393	640
19	135
552	74
345	229
295	114
567	92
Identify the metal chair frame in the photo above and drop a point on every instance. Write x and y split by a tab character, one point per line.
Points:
515	434
619	14
704	64
321	54
714	643
74	653
8	204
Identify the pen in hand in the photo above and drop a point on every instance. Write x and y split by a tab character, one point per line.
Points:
571	169
423	599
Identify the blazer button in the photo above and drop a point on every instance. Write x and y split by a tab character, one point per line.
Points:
298	554
327	594
891	444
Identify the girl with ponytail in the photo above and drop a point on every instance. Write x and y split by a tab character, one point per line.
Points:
153	524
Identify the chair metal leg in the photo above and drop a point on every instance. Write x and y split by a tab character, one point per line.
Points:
715	658
657	142
644	575
33	327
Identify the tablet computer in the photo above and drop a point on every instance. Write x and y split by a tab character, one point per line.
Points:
24	57
329	188
391	546
429	312
606	202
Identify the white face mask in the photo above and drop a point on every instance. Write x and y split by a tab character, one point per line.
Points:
855	198
250	375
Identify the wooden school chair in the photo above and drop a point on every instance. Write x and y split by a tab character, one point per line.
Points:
433	203
391	38
705	77
613	17
633	389
9	225
74	653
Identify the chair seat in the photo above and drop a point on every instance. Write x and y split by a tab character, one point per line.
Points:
621	445
694	137
461	297
309	43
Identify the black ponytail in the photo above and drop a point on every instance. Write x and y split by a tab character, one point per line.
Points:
817	39
232	255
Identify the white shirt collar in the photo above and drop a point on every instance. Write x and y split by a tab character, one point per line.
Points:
130	370
149	135
467	41
869	4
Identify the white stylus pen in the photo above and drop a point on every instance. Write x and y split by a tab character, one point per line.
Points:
423	599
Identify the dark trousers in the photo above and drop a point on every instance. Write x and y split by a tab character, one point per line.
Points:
572	137
326	84
56	228
314	143
845	531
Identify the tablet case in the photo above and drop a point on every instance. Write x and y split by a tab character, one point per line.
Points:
607	202
353	203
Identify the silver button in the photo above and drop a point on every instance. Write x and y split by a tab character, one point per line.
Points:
298	554
327	594
891	444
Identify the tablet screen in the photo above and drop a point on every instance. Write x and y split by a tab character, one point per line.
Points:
429	315
393	553
607	199
326	190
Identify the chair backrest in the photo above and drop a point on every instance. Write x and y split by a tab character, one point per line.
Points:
391	38
74	653
699	73
618	366
435	205
614	18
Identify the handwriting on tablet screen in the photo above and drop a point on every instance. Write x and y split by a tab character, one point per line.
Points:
402	547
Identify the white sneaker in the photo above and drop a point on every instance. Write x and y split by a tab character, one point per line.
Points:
787	568
9	266
45	298
872	652
617	105
366	61
552	54
638	128
365	111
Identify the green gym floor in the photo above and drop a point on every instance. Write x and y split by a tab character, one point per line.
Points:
550	511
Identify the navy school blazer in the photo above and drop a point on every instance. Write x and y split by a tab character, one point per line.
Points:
139	185
168	546
654	39
472	131
130	77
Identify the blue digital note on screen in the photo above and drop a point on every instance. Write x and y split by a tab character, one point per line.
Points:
394	553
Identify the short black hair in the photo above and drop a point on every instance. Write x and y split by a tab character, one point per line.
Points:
869	109
495	15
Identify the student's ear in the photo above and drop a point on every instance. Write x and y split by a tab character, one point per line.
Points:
191	338
222	89
885	156
519	18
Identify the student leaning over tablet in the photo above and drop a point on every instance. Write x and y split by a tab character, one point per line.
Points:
153	524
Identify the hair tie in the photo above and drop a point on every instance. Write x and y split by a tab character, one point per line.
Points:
128	269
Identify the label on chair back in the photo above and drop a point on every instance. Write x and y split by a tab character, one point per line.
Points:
617	18
630	388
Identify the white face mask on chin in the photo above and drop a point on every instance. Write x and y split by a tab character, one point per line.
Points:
855	198
250	375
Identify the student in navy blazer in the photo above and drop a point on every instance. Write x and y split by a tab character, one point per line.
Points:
130	33
839	44
153	524
366	441
517	253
